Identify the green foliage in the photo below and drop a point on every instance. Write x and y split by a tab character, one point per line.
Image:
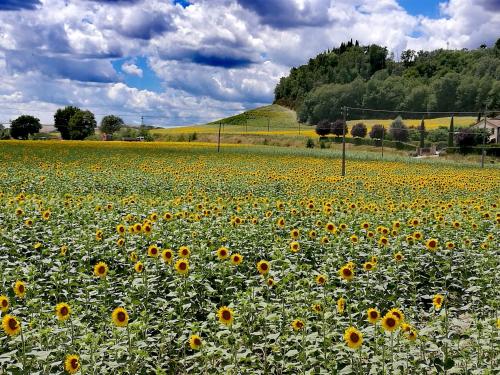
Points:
355	76
24	126
61	120
339	128
111	124
377	131
398	130
4	133
440	134
324	127
309	143
81	125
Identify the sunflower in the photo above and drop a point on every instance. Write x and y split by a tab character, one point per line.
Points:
431	244
263	267
324	240
365	225
398	314
321	279
167	255
101	269
411	335
354	239
133	257
28	222
222	253
294	246
313	234
120	228
317	308
138	267
63	311
280	222
383	241
184	252
297	325
398	257
370	234
341	305
11	325
450	245
369	266
137	227
120	317
417	235
390	322
343	226
99	235
167	216
120	242
236	259
4	303
346	273
295	233
373	315
437	301
72	364
19	212
195	342
225	315
270	282
182	266
353	338
46	215
330	227
20	289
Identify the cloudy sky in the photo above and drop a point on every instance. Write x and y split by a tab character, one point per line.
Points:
194	61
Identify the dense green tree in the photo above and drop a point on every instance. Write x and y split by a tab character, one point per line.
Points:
422	134
338	128
81	125
111	124
377	131
24	126
451	133
61	120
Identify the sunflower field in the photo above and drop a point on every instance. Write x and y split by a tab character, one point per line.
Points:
174	259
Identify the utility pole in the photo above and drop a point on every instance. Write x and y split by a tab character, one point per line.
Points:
246	123
142	120
383	136
484	139
218	139
268	121
344	113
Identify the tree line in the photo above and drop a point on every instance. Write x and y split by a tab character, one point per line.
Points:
72	123
367	77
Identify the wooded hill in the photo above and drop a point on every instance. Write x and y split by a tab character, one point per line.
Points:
366	76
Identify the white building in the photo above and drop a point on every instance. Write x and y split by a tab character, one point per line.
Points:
493	125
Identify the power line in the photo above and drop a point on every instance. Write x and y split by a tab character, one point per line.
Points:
424	113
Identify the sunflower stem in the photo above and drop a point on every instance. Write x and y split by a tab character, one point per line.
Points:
24	348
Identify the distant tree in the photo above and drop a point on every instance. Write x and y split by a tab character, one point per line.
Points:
438	135
359	130
111	124
81	125
422	133
497	44
408	57
338	127
451	133
377	132
323	128
398	130
62	118
468	137
24	126
4	133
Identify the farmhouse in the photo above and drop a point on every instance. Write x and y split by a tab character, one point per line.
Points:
493	125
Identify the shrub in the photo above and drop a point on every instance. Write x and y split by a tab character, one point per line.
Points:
399	131
377	132
323	128
338	128
81	125
467	138
359	130
111	124
309	143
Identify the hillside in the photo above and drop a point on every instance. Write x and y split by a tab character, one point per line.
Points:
366	76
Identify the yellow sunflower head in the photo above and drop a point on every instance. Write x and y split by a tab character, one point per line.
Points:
63	311
167	256
120	228
373	315
341	305
120	317
346	273
398	314
101	269
321	279
20	288
353	338
11	325
431	244
182	266
153	251
437	301
222	253
225	315
139	267
317	308
294	247
4	303
398	257
411	335
195	342
263	267
72	364
369	266
294	233
390	322
184	252
236	259
298	325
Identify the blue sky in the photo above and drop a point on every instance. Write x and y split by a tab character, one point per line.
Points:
195	61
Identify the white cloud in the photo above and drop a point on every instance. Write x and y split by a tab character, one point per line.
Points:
132	69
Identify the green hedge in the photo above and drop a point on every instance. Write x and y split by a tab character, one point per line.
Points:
371	142
491	150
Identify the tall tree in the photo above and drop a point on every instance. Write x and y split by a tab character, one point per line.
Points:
451	134
81	125
111	124
422	133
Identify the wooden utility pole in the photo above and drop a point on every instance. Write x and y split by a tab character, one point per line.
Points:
483	151
268	124
383	136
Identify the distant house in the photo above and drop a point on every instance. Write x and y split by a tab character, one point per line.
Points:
493	125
